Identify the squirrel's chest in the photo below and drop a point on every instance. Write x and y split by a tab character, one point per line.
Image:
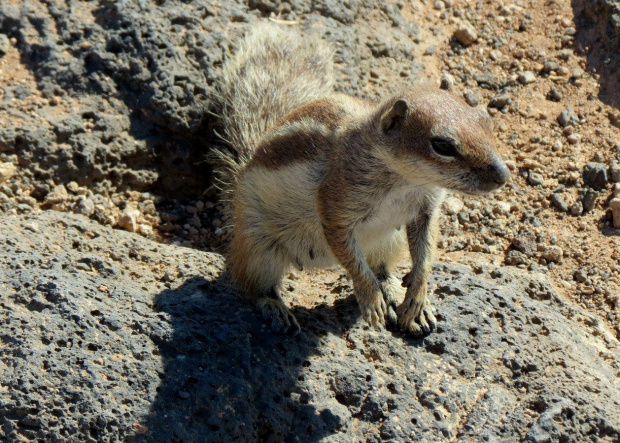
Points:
394	210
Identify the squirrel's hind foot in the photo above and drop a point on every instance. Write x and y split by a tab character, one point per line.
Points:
278	316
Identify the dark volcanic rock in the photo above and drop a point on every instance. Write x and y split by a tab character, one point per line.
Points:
525	242
595	175
107	336
558	202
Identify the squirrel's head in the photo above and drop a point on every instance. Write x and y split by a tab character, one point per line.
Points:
431	137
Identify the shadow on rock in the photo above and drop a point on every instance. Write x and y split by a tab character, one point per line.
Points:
227	377
597	36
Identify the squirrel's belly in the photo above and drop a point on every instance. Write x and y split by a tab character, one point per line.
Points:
280	207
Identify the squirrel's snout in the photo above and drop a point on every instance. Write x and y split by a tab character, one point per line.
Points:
493	177
498	172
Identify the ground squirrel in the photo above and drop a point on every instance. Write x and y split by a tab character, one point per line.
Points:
318	179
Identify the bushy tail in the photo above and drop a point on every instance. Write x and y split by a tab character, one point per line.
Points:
273	71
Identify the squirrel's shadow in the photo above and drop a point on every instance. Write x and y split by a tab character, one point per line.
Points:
227	377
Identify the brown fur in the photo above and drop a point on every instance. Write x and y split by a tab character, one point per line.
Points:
282	149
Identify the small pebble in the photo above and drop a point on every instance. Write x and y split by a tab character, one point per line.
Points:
453	205
576	209
550	66
580	275
595	175
515	258
58	195
614	172
72	187
555	95
527	77
499	101
466	34
553	254
525	242
589	200
534	179
85	206
4	44
558	202
129	219
614	205
472	99
568	117
578	73
7	170
501	208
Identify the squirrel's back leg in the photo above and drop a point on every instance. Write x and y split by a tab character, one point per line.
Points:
257	270
383	260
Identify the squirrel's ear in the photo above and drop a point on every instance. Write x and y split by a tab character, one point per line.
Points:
394	117
447	83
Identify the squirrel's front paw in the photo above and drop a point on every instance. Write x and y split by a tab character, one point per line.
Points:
393	294
416	315
373	310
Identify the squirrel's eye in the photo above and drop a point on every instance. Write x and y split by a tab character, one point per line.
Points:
444	147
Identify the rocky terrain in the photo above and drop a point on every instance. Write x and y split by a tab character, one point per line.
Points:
117	323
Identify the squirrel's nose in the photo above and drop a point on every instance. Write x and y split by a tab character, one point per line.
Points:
498	172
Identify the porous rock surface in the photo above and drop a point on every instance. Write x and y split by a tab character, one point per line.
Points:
108	336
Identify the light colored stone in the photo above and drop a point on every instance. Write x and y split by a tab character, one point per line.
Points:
552	253
501	208
614	172
145	229
129	219
453	205
573	139
466	34
7	170
527	77
5	44
58	195
530	163
85	206
72	187
614	204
